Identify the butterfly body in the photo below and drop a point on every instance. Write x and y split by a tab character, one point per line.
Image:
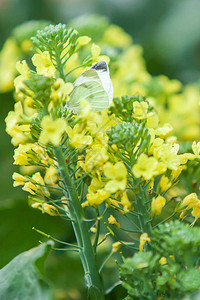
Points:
95	86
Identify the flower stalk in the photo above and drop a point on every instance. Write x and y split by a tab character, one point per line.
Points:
76	211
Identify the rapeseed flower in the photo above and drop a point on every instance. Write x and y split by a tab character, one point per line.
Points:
52	130
118	177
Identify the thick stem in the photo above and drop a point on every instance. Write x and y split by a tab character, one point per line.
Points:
80	227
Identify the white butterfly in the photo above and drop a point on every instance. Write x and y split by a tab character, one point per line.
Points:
94	85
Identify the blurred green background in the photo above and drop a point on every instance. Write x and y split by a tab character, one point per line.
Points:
169	32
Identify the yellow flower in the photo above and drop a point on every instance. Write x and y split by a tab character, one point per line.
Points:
30	188
116	37
52	130
9	55
94	199
147	167
113	221
167	154
96	51
116	246
164	131
46	208
191	201
164	184
118	175
196	148
14	117
19	179
127	205
24	70
43	64
163	261
152	120
61	90
21	155
95	158
50	209
51	176
83	40
78	137
157	205
140	109
143	239
96	184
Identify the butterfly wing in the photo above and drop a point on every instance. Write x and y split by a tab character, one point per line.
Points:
91	85
104	75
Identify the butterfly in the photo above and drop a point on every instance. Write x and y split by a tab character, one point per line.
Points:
93	85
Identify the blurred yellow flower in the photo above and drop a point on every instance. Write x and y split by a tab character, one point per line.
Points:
94	199
118	175
144	238
52	130
157	205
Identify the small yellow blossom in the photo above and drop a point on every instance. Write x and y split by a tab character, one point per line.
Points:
96	51
140	109
152	120
164	184
96	184
116	246
167	154
196	148
46	208
113	221
94	199
9	55
116	37
127	205
24	70
43	64
147	167
143	239
83	40
163	261
191	201
157	205
93	229
51	176
30	188
50	209
96	157
52	130
14	117
19	179
164	131
118	175
78	137
20	154
61	90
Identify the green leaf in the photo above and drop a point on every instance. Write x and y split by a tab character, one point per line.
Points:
23	277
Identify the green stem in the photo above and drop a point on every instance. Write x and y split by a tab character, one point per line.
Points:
80	227
143	213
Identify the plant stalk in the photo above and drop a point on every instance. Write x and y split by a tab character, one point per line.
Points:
81	231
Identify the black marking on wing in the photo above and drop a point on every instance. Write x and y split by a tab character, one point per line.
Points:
100	66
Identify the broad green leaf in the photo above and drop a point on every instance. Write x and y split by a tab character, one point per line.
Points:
23	277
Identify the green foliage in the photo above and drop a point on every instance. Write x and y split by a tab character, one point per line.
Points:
27	272
129	134
176	275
